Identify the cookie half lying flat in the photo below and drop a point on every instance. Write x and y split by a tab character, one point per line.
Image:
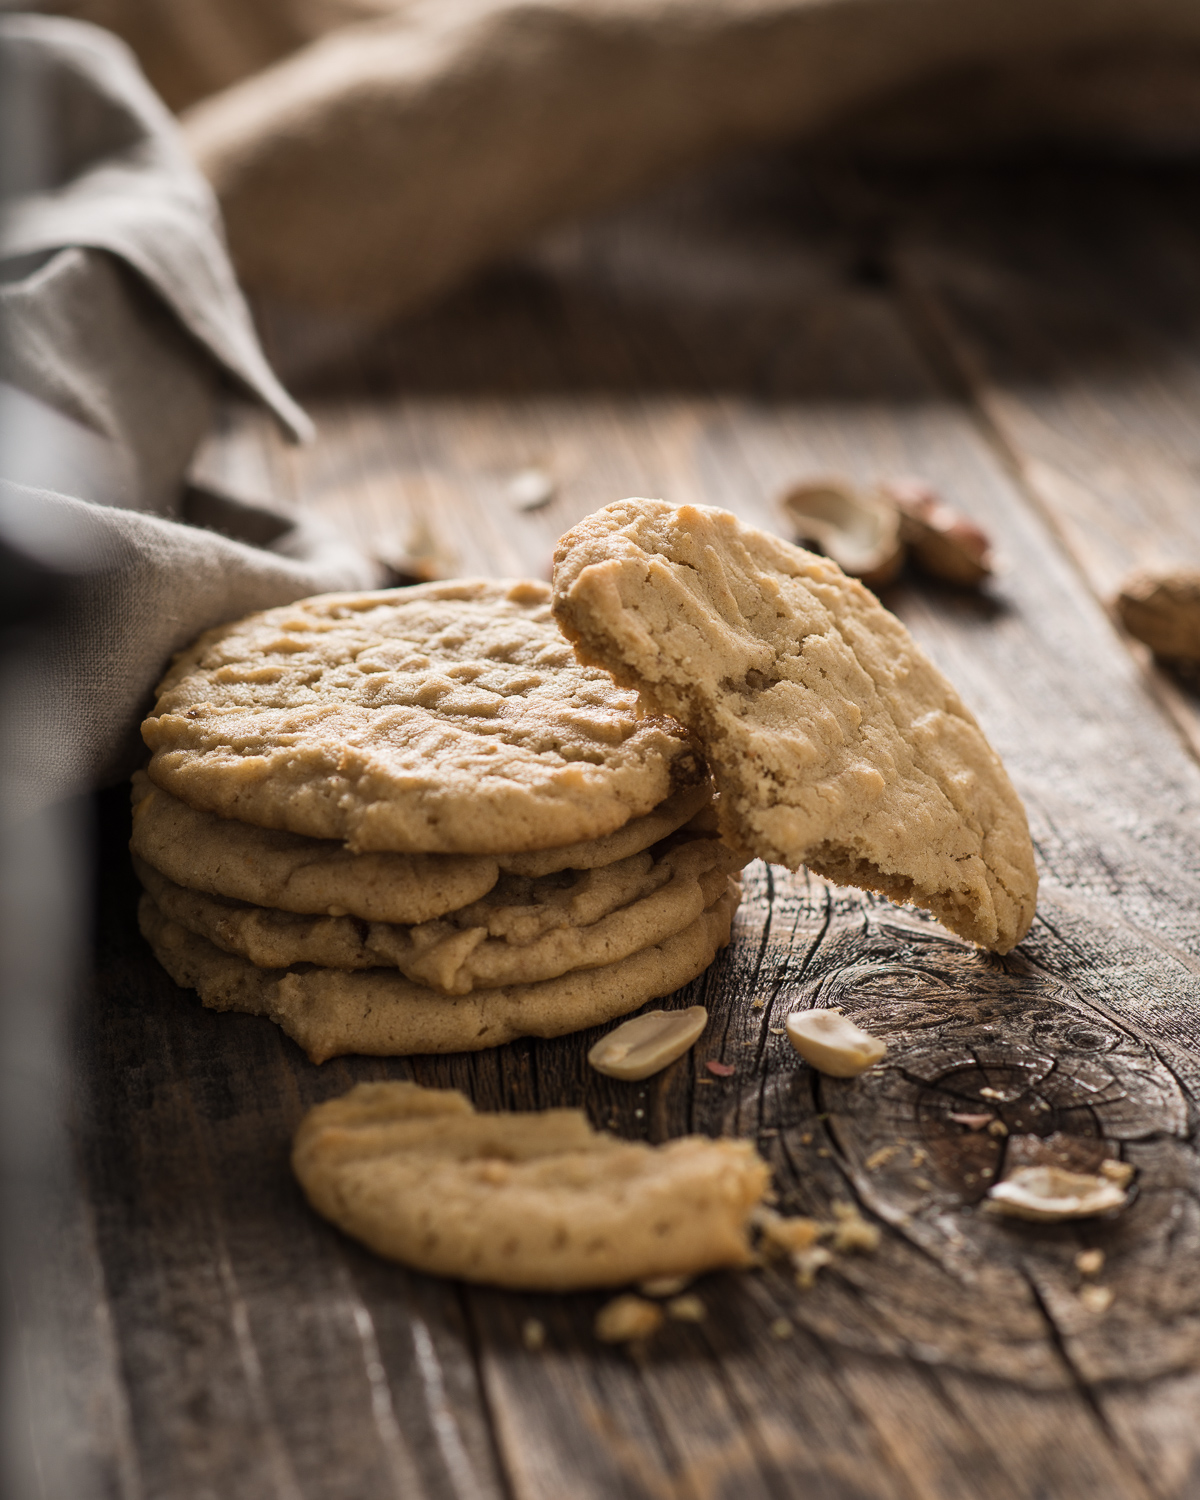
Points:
449	718
377	1011
833	740
520	932
291	873
534	1201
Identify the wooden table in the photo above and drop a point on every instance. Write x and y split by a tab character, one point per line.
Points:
1030	342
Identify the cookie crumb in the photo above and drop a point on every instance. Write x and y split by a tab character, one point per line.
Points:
780	1328
1089	1262
663	1286
687	1309
808	1263
1097	1299
626	1318
852	1233
881	1156
787	1237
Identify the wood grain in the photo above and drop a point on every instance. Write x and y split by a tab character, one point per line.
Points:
713	345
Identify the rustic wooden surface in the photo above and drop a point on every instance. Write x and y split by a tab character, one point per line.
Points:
1030	342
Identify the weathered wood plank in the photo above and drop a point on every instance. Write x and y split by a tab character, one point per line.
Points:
714	354
1078	338
63	1404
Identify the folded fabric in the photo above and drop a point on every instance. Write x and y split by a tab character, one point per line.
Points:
119	304
190	50
381	163
137	589
122	319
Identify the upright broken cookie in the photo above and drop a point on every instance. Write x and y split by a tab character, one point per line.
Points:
833	740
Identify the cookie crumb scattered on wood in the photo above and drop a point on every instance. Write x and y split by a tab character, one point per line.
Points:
1097	1299
687	1309
664	1286
627	1318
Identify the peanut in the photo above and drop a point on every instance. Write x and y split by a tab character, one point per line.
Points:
1163	609
1050	1194
647	1044
832	1043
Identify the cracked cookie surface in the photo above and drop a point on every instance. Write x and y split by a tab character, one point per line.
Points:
833	740
379	1012
533	1200
447	718
290	872
522	931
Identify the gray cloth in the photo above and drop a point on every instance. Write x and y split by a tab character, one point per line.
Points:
138	588
121	322
101	163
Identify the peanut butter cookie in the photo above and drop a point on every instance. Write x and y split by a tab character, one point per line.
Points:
834	742
377	1011
520	932
448	718
538	1201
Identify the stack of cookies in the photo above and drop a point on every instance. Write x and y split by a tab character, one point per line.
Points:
410	821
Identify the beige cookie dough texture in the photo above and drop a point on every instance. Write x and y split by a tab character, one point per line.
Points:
448	718
330	1012
833	740
292	873
521	931
538	1201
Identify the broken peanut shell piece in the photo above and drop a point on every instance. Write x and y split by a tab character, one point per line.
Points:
941	541
857	529
1048	1195
1163	610
832	1043
648	1043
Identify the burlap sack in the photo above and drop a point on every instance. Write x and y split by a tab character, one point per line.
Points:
380	164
